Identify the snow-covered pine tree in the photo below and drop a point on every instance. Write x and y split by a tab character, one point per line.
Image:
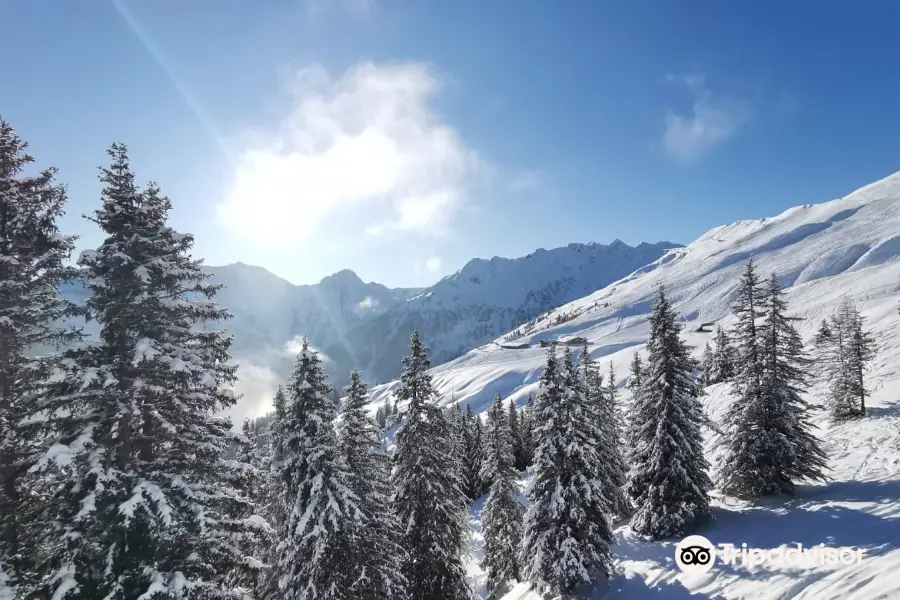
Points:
724	358
668	481
769	446
503	513
33	257
749	308
247	477
479	484
706	366
321	510
785	375
620	504
845	348
136	481
610	467
831	345
520	455
740	473
473	484
861	350
273	505
632	422
527	423
377	556
821	343
381	417
567	535
429	504
460	439
823	333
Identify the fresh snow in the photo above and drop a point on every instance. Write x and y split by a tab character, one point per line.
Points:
822	253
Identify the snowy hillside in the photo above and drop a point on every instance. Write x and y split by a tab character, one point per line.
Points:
822	253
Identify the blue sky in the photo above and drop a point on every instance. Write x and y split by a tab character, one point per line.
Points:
400	138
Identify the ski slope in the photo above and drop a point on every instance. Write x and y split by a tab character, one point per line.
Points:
822	253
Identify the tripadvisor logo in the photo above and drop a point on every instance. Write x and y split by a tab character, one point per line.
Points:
695	554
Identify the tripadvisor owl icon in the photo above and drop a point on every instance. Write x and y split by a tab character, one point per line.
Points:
695	554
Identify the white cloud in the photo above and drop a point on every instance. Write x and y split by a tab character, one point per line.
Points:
292	348
433	264
367	145
257	386
367	303
711	120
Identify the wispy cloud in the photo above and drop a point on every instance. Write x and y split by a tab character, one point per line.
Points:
366	144
293	346
712	120
256	386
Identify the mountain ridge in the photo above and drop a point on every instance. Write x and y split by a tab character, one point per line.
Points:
366	325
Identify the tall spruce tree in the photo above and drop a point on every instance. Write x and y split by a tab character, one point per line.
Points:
620	506
668	482
503	513
377	554
610	466
528	430
33	255
461	442
428	501
136	488
273	504
567	534
321	511
821	343
845	349
520	454
749	308
632	418
724	358
769	446
706	365
248	478
861	351
472	483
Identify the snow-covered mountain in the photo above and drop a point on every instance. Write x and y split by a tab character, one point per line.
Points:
367	325
485	299
822	253
270	313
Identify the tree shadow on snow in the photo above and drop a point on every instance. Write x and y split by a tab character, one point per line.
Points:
883	491
883	412
812	524
624	588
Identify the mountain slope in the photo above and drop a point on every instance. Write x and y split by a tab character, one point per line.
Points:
488	297
824	252
367	325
